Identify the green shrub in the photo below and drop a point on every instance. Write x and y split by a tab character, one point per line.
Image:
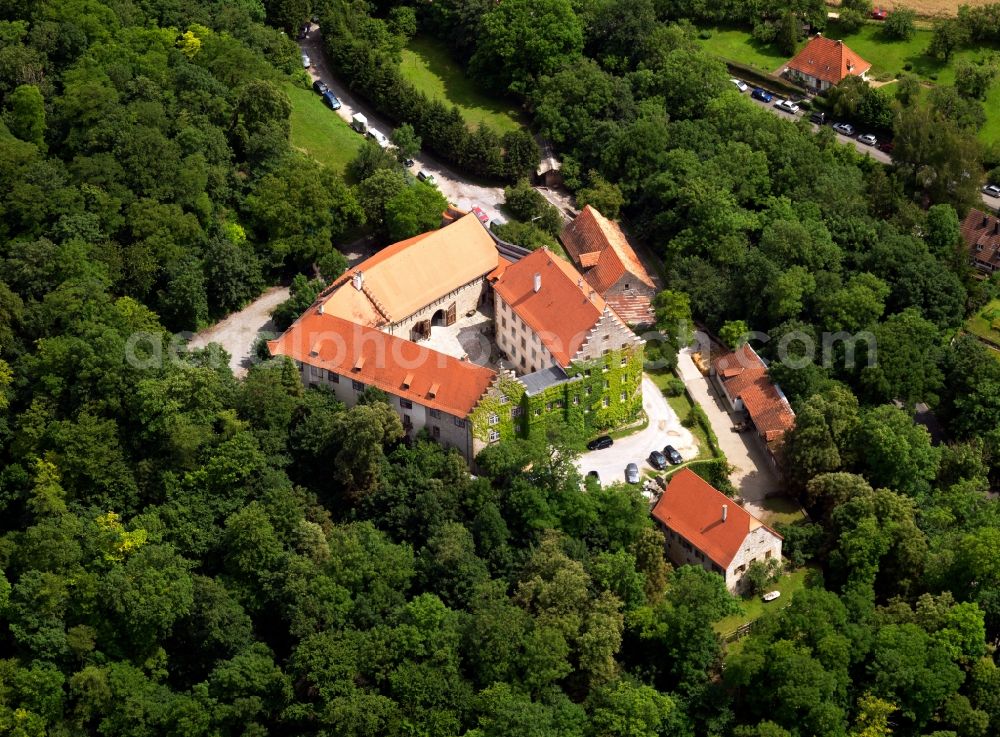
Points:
908	67
675	387
704	34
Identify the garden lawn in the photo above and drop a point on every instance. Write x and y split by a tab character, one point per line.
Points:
981	323
734	44
682	407
319	132
429	67
755	607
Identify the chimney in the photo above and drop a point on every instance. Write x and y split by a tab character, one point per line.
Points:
358	280
538	282
319	310
725	511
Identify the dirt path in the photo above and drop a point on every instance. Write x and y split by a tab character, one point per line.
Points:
238	332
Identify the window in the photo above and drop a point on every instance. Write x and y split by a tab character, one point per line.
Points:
493	419
605	402
587	391
334	378
459	422
767	555
524	344
607	384
494	436
606	351
576	400
504	399
686	545
586	372
435	431
548	406
623	395
627	285
358	386
515	412
538	411
624	361
534	353
315	371
607	336
503	322
405	404
436	414
740	570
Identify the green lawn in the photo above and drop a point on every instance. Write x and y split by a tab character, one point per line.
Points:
754	607
319	132
782	509
986	322
737	44
430	68
682	406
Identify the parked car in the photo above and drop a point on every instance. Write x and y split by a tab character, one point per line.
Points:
429	178
306	63
632	474
886	147
657	460
992	190
880	13
787	106
759	93
600	443
331	100
594	475
303	31
740	84
771	595
379	137
867	139
844	129
672	455
819	118
320	86
359	122
481	214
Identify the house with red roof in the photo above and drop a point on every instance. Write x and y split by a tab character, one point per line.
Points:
981	233
704	527
824	62
741	377
610	265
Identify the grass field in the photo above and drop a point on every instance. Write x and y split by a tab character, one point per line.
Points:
986	323
429	67
319	132
754	607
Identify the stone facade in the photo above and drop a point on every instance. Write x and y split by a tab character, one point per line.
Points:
450	431
522	345
608	334
760	544
457	303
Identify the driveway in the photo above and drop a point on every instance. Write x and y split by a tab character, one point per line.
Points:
458	190
664	428
238	332
753	475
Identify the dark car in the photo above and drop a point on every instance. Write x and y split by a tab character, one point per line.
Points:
886	147
657	460
303	31
320	87
818	117
632	474
759	93
672	455
600	443
594	475
331	100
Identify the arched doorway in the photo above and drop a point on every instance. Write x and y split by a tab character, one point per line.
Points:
439	318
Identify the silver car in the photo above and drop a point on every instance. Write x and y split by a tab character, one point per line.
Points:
632	474
867	139
992	190
306	63
844	129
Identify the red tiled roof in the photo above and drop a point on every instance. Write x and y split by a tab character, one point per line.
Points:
562	312
394	365
633	309
592	233
828	60
692	508
745	377
981	233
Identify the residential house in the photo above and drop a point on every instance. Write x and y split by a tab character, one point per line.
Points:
704	527
610	265
741	377
823	63
981	233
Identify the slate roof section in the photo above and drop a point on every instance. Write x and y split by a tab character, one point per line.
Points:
562	312
541	380
981	233
745	377
394	365
828	60
406	276
692	508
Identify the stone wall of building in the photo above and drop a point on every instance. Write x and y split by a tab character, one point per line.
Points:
469	297
760	544
520	343
629	286
608	334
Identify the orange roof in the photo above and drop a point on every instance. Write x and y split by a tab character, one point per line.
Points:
633	309
692	508
562	312
406	276
594	241
394	365
745	377
981	233
828	60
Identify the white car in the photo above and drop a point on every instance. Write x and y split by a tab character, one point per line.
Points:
787	105
867	139
306	63
844	129
379	137
740	84
992	190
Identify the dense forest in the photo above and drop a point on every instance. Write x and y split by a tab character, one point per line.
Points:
184	553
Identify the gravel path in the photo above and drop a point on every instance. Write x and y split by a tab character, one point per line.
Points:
238	332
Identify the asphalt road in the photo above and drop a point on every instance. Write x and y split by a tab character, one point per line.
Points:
458	190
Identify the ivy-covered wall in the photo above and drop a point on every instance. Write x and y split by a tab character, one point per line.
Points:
580	401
